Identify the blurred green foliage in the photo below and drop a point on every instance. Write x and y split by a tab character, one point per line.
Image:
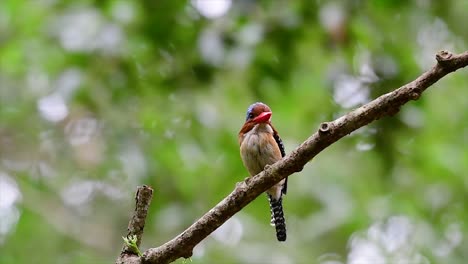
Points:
97	97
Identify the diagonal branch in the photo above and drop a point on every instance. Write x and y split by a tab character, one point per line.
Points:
328	133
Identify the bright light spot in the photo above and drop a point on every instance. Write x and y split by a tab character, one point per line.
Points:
239	57
350	91
412	116
79	29
52	108
85	30
364	251
169	133
437	196
387	66
337	207
171	217
392	241
191	154
212	8
394	235
211	47
37	81
207	114
5	20
81	131
379	207
45	170
9	213
110	191
329	258
454	234
68	82
16	165
9	192
133	161
123	11
364	146
367	73
331	16
432	38
251	34
199	250
109	39
79	193
230	233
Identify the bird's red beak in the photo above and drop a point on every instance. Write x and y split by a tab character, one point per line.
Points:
263	117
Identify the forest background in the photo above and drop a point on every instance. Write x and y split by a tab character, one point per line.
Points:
98	97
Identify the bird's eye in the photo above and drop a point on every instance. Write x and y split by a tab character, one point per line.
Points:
251	115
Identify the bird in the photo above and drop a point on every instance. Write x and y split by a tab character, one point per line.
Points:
260	145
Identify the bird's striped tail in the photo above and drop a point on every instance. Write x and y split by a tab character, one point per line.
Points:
277	217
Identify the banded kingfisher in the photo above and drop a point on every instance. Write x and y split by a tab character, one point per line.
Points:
260	145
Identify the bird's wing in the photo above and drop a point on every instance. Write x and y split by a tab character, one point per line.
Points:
279	142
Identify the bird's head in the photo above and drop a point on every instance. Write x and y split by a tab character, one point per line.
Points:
258	113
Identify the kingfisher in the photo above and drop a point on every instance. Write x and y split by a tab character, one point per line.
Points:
260	145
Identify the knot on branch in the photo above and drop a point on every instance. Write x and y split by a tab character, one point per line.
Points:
243	184
443	57
415	93
325	127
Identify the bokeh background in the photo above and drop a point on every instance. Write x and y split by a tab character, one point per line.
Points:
98	97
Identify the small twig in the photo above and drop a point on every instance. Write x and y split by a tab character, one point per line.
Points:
130	252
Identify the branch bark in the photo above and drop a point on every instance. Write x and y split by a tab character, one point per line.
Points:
328	133
136	225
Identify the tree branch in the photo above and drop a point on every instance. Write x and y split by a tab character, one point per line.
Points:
328	133
136	225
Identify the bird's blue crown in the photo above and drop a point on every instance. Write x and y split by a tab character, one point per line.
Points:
250	109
